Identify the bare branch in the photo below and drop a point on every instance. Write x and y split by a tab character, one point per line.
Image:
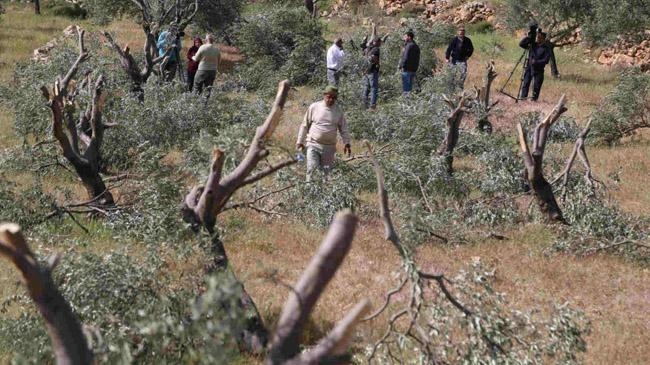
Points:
83	55
337	341
310	286
68	341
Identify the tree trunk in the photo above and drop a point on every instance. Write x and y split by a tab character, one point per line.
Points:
204	203
37	7
533	162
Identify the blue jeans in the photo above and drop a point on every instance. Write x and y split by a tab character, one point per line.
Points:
370	86
407	81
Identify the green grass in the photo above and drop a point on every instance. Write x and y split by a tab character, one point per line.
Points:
22	31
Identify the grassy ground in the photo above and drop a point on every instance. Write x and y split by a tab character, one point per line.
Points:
613	292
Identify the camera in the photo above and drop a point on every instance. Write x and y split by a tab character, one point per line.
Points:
533	29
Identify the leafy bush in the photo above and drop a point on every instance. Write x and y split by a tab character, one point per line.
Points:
66	9
625	109
315	202
482	26
218	15
281	42
129	318
597	224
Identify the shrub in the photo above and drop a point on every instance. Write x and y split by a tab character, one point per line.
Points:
482	26
624	110
281	42
65	9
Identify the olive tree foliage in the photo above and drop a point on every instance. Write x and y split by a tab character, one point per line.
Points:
130	317
281	42
600	21
217	16
103	11
625	109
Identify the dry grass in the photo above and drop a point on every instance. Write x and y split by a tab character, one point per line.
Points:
614	293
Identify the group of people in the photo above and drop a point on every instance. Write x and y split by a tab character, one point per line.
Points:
317	135
324	119
202	59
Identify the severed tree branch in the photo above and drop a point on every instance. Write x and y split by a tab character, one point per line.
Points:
578	150
68	341
533	163
483	97
201	210
295	313
458	108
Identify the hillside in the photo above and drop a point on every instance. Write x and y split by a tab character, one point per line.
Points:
130	272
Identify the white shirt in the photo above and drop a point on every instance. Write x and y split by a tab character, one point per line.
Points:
335	57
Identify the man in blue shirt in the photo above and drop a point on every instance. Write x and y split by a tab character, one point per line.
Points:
538	56
167	40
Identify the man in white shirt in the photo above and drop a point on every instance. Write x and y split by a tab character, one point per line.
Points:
208	57
335	56
318	132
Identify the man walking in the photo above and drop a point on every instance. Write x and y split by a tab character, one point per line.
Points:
318	132
335	56
208	57
538	56
460	49
371	72
409	62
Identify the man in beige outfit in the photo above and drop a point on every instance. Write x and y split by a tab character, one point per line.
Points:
318	132
208	57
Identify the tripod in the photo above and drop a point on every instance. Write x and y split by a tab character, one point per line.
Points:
524	57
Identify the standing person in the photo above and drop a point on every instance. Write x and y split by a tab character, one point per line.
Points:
208	57
318	132
166	40
409	62
335	56
371	72
538	56
460	49
192	66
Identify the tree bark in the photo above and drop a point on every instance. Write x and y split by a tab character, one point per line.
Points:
484	97
453	121
86	162
68	342
304	296
533	162
203	203
37	7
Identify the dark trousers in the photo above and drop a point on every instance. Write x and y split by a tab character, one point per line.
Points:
204	79
535	75
169	70
190	79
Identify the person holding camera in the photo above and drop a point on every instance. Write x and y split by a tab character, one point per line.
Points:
538	56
